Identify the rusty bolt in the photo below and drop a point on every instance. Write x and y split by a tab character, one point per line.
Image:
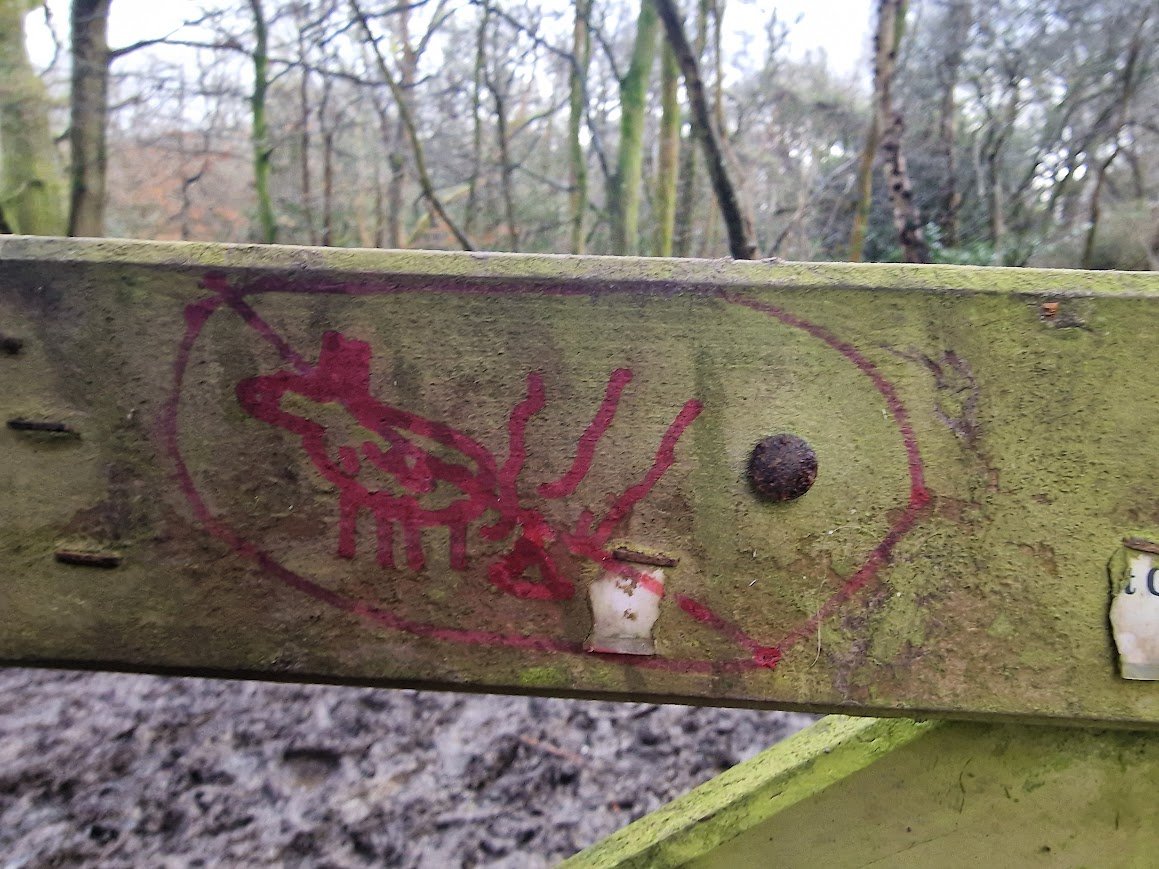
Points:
782	467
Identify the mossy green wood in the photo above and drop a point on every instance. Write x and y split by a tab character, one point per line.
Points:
869	792
1030	396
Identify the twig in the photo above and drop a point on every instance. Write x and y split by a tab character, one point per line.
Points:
404	115
552	749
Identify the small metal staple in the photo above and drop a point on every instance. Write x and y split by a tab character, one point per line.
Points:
42	426
634	557
87	558
1141	545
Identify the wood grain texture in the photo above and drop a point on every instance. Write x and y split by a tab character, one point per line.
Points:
408	468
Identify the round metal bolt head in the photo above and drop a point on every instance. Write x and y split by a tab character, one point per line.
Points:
782	467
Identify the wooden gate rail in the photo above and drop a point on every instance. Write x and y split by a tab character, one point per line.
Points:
874	489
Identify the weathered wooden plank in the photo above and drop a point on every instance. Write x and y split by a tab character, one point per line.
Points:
864	792
403	468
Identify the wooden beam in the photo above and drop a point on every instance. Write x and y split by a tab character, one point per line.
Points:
415	468
860	792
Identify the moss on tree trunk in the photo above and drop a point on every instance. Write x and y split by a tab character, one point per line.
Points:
669	156
90	100
30	184
625	187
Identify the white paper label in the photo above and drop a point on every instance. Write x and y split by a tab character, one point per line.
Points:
1135	618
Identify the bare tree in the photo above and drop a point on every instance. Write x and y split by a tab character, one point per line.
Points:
958	15
688	183
885	128
577	110
1028	128
407	121
1128	84
669	152
262	147
88	117
741	240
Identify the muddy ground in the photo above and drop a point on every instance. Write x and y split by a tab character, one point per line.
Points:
114	770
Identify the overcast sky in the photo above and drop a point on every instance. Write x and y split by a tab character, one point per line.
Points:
840	27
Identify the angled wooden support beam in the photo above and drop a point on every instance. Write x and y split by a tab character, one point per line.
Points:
878	489
853	792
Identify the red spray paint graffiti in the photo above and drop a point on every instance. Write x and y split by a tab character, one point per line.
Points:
423	454
342	377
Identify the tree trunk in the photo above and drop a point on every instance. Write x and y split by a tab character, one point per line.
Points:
711	237
379	207
506	169
995	195
864	199
1128	84
263	151
328	187
906	216
89	99
394	200
717	7
951	198
995	204
304	114
398	167
890	19
328	122
957	24
392	207
741	238
887	127
577	106
1088	260
669	151
1153	247
689	180
472	205
30	194
624	198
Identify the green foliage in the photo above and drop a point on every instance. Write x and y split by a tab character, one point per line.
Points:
975	253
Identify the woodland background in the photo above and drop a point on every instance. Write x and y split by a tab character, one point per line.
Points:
1017	132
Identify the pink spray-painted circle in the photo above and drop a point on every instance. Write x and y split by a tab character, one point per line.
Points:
316	379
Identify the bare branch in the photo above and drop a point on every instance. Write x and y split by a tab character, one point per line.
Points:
411	131
741	238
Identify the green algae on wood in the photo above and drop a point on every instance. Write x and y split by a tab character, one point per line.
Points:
852	793
793	772
1027	393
